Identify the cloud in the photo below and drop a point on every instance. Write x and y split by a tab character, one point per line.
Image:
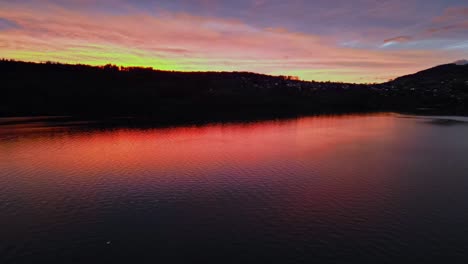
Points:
398	39
457	27
451	25
461	62
259	3
6	24
452	13
453	21
182	41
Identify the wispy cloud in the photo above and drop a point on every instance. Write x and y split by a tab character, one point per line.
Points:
452	13
184	41
398	39
456	27
448	26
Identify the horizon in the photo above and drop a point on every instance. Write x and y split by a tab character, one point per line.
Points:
363	42
461	62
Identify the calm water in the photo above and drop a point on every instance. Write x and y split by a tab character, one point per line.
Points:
329	189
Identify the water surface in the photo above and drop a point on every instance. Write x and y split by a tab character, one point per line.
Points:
383	188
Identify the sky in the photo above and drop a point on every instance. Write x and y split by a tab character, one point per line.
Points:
362	41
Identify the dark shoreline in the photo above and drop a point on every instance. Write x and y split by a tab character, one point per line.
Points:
174	98
150	122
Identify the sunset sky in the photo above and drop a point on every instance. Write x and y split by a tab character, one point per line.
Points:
338	40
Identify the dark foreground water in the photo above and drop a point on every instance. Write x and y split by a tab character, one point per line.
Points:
377	188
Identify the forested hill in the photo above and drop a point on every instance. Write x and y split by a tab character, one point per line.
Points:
61	89
442	89
58	89
450	74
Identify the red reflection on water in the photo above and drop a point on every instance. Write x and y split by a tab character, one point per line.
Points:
208	147
307	168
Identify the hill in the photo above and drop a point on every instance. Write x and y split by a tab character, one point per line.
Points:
59	89
443	89
81	90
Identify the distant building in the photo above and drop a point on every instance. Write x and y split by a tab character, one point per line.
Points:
290	78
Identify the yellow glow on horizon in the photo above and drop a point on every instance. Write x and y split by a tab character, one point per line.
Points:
184	42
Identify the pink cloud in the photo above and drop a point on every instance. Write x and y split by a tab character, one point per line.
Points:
462	26
452	13
454	19
398	39
194	42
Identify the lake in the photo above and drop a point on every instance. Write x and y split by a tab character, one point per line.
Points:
380	188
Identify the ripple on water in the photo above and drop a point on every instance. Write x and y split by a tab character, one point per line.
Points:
327	189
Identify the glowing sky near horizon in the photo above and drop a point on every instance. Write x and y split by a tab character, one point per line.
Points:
338	40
